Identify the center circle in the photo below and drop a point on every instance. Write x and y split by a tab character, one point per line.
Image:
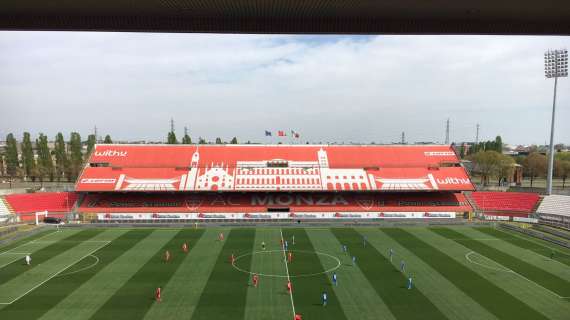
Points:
331	265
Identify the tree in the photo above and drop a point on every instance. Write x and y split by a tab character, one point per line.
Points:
234	140
75	155
506	168
462	151
534	165
171	138
90	144
45	162
562	166
1	164
12	162
186	139
498	145
487	163
28	160
219	141
201	140
107	139
61	160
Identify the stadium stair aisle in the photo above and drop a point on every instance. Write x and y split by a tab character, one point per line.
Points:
526	292
442	292
543	278
132	299
182	292
540	247
307	291
225	292
482	291
92	294
16	252
359	299
391	285
49	262
58	288
265	302
532	258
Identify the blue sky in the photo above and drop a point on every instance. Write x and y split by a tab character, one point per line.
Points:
328	88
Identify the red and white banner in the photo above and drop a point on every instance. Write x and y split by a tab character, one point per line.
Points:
273	168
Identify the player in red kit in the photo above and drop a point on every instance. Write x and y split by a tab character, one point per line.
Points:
290	257
166	256
255	280
185	247
157	294
289	287
298	317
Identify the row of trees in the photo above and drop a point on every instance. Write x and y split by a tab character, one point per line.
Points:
492	164
63	161
171	139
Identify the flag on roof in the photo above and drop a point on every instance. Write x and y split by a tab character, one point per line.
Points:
281	133
267	133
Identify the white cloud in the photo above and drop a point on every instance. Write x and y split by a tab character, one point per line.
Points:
328	88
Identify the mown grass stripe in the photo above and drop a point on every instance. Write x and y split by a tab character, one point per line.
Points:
25	239
545	279
388	281
262	302
13	270
478	288
307	291
92	294
178	296
529	245
135	297
358	298
52	292
225	293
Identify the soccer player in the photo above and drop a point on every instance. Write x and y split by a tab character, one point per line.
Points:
293	240
185	247
290	257
324	298
364	241
255	279
232	259
298	317
391	253
221	236
402	266
166	256
157	294
353	260
289	287
262	245
410	283
286	245
344	248
28	260
334	279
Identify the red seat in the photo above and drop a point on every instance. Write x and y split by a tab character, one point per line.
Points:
505	201
44	201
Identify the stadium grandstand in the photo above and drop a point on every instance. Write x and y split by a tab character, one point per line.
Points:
504	204
554	210
5	211
54	204
187	182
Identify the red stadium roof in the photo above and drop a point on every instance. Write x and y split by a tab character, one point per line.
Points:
273	168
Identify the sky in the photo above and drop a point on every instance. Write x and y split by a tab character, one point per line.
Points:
342	89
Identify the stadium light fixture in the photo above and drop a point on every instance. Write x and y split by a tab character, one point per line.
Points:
555	66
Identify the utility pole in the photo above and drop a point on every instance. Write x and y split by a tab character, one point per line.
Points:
447	132
185	131
171	124
477	135
403	137
95	133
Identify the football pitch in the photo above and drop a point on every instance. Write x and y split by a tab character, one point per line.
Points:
457	273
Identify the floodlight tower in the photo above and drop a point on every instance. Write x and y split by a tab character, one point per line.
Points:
555	66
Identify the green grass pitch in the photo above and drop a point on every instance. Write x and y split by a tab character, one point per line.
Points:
457	273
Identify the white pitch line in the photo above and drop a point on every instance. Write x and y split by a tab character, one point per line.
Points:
507	270
55	274
287	269
25	244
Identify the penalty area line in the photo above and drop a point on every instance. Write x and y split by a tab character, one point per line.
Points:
287	270
57	273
